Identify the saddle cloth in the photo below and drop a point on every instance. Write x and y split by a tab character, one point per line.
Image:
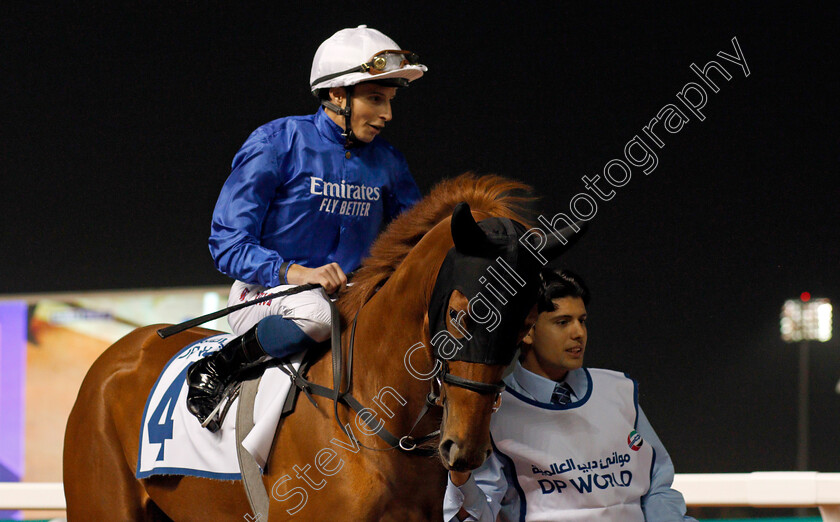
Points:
172	441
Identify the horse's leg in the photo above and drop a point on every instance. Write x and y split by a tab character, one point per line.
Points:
188	499
98	482
367	485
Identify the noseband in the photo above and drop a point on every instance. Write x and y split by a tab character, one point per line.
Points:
483	388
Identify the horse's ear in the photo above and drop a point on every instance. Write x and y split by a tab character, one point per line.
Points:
554	247
468	236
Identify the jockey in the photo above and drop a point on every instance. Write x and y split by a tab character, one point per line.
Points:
305	200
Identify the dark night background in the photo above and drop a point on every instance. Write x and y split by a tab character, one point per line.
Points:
119	125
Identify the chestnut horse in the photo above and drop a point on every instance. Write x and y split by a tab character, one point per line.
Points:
404	343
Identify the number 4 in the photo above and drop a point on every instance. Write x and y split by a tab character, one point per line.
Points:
160	422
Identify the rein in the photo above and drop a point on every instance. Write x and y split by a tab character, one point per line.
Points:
406	443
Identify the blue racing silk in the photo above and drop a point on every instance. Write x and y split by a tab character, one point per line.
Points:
296	195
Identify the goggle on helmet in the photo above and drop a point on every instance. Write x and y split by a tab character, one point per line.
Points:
380	63
361	54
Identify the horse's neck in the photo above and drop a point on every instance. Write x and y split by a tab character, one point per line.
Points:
388	326
386	330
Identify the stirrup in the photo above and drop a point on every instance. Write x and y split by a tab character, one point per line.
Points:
213	422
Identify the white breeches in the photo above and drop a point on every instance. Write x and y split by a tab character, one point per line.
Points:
309	310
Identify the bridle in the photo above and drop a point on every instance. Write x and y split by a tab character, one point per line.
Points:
471	242
483	388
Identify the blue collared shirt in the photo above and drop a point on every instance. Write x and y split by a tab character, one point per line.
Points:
488	490
295	194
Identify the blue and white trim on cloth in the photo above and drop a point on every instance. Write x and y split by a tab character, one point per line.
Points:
172	441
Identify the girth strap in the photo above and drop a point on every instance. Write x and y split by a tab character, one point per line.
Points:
251	475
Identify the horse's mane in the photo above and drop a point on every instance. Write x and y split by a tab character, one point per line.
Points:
489	194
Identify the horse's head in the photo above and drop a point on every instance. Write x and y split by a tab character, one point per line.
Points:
480	308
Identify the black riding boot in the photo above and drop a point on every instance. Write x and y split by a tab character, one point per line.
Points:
207	378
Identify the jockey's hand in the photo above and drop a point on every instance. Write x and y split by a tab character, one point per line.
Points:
330	276
459	478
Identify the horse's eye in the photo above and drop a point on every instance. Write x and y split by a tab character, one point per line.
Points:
459	328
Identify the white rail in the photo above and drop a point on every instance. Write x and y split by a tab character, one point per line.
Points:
764	489
758	489
32	495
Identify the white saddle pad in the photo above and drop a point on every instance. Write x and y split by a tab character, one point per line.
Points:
172	441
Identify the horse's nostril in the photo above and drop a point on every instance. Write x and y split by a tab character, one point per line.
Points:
446	447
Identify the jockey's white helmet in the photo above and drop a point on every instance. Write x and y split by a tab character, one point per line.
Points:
362	54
